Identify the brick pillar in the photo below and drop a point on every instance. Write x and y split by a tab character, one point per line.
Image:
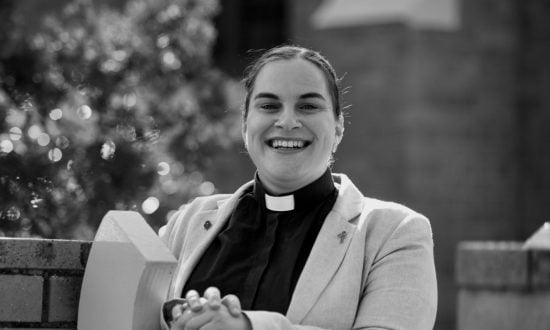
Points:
40	282
501	287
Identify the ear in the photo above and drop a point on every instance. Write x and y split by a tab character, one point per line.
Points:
339	131
243	132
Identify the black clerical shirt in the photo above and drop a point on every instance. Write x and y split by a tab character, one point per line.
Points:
259	254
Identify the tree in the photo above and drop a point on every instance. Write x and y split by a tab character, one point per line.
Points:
108	108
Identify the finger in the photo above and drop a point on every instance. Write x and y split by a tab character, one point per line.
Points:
193	300
233	304
178	310
212	295
169	309
199	320
182	320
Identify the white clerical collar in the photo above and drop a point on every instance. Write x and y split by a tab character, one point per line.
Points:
279	203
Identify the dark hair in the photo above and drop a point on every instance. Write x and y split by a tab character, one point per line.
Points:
287	53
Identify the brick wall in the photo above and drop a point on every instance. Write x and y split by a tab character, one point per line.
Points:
502	287
451	123
40	282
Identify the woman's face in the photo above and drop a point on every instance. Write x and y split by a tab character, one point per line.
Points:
291	130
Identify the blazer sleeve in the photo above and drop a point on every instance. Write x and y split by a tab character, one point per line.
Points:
401	287
400	290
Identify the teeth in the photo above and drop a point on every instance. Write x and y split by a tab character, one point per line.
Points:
287	144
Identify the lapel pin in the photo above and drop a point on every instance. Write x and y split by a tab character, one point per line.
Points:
207	224
342	236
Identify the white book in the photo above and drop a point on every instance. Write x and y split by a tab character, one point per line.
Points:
126	277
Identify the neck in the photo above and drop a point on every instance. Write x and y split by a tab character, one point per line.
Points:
281	188
284	186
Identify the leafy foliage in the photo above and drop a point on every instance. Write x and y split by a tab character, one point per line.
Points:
108	108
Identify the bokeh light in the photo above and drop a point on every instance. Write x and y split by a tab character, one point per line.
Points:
43	139
55	155
35	202
108	150
6	146
207	188
170	60
12	214
150	205
129	100
163	168
34	131
84	112
15	133
56	114
163	41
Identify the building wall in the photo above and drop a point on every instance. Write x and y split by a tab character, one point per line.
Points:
450	123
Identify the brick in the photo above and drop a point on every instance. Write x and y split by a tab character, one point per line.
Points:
64	297
18	253
503	310
492	265
21	298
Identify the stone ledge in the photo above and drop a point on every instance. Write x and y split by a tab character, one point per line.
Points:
18	253
501	265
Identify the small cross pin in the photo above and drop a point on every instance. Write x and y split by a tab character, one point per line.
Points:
342	236
207	224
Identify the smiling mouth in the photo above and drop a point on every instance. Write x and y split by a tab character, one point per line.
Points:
287	144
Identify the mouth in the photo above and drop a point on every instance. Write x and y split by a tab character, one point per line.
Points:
288	144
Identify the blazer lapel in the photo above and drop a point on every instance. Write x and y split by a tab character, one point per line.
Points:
325	257
198	240
328	251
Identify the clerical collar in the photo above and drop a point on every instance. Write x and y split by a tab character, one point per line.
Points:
305	197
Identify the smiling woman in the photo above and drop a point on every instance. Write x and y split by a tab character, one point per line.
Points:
298	246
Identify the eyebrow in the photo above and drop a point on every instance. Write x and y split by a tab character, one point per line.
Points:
266	96
303	96
312	95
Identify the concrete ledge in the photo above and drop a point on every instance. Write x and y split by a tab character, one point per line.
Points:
17	253
502	286
501	265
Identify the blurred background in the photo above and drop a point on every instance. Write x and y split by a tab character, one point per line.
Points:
135	105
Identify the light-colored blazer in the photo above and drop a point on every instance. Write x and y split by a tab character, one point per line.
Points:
371	266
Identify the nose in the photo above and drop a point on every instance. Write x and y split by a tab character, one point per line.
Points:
288	119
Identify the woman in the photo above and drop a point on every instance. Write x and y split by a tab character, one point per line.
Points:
298	247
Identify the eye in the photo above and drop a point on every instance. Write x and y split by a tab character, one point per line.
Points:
270	106
309	107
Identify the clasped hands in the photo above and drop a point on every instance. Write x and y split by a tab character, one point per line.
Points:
209	312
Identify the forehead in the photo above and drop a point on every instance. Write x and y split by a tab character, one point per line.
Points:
294	76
